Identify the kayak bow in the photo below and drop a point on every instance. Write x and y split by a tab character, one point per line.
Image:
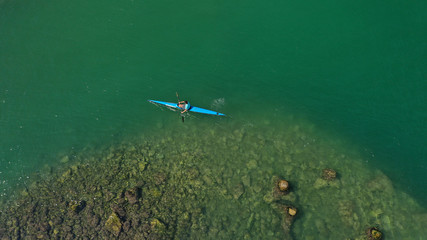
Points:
192	108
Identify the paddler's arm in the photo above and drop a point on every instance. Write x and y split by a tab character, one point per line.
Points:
181	104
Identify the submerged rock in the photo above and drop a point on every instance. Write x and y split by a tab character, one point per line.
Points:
238	191
142	165
283	185
329	174
288	217
64	159
157	226
113	224
75	206
291	211
374	233
119	210
133	195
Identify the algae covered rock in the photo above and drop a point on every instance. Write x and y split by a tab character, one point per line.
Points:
118	209
64	159
238	191
113	224
75	206
133	195
288	216
157	226
374	233
142	165
329	174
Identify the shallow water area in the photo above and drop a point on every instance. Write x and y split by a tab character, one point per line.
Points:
306	86
227	169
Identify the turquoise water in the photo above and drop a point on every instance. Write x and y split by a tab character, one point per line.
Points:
79	73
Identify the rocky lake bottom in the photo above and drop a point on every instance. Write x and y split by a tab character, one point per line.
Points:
214	181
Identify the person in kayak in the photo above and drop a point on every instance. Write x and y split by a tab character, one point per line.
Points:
185	105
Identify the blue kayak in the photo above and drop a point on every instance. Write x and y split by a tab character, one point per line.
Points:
192	109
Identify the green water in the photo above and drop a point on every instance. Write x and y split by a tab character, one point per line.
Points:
79	73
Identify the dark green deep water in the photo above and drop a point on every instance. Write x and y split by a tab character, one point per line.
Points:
79	73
